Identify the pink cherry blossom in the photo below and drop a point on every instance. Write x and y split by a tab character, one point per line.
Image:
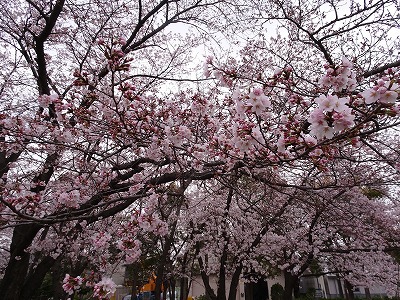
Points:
117	150
327	103
343	120
317	116
370	96
322	130
104	289
339	104
71	284
388	97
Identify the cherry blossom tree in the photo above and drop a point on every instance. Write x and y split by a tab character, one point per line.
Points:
254	113
262	230
339	225
90	138
55	138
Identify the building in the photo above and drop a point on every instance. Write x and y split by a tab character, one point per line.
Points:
330	286
327	286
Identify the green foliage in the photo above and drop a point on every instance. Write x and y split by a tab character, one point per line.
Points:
315	267
202	297
310	295
373	193
277	292
84	293
46	289
396	255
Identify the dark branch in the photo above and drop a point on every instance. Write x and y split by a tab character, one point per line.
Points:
381	69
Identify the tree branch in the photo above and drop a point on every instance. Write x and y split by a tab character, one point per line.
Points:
381	69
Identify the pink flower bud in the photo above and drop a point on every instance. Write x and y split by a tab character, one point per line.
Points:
382	90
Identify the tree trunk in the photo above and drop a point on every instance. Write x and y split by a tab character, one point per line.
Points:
349	289
134	281
290	283
35	279
367	293
58	274
184	288
234	283
164	260
15	275
221	290
169	240
206	281
166	287
341	295
172	289
296	288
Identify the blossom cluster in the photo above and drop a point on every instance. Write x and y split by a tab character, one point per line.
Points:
254	102
70	199
116	59
275	121
225	76
384	91
72	284
140	222
131	248
101	239
332	115
340	78
104	289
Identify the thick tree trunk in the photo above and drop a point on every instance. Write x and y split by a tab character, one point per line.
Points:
234	283
290	284
15	275
35	279
58	274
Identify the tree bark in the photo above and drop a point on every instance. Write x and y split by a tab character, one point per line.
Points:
341	295
290	283
184	288
221	291
367	293
58	274
36	277
349	289
172	289
234	283
134	281
15	275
